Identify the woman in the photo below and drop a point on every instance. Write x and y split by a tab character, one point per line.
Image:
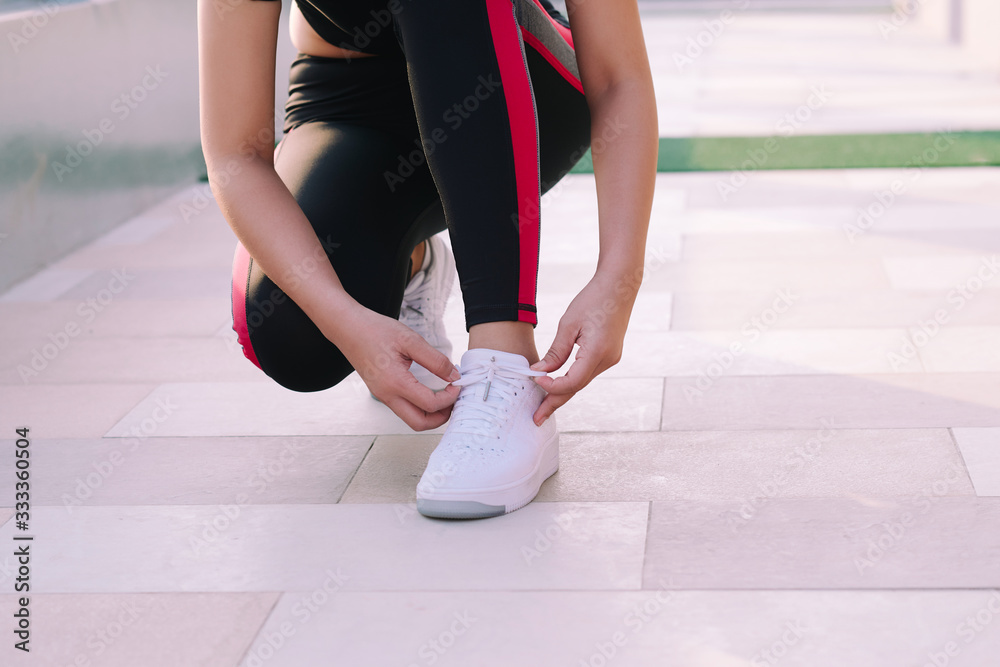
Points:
406	117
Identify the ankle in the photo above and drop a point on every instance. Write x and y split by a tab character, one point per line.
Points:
512	337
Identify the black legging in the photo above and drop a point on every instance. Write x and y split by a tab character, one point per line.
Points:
455	129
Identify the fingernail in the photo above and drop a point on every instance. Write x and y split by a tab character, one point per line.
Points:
455	375
535	366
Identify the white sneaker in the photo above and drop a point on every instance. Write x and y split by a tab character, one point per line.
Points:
492	459
424	302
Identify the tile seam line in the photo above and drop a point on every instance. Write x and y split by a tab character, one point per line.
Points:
263	623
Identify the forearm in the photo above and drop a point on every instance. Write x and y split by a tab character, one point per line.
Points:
272	227
624	148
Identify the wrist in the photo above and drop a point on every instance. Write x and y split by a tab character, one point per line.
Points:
337	316
623	275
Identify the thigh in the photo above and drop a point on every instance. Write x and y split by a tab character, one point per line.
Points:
368	227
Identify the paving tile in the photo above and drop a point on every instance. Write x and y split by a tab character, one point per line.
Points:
755	351
265	408
215	409
202	471
732	465
980	449
728	276
45	285
655	627
190	548
123	318
923	541
166	253
970	273
119	360
833	309
800	274
832	243
168	284
953	349
903	400
69	411
141	628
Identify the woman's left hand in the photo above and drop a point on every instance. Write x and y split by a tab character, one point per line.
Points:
596	320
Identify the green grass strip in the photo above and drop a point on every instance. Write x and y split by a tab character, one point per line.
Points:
841	151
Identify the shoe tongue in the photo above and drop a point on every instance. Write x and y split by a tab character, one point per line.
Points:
482	356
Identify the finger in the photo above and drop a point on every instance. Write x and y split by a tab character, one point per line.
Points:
549	405
424	397
579	375
559	351
417	418
420	351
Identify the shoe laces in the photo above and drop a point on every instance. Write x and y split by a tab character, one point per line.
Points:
484	415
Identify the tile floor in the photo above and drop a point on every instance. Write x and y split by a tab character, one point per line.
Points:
825	496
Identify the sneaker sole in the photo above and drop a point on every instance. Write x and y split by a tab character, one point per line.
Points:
485	503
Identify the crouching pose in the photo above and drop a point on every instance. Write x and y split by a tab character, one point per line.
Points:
406	118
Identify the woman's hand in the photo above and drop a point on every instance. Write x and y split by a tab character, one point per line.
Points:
381	349
596	320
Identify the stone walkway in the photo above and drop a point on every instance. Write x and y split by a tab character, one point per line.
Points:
796	462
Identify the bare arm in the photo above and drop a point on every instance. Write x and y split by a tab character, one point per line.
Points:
617	81
237	45
236	66
615	73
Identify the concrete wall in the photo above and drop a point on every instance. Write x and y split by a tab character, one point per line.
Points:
98	120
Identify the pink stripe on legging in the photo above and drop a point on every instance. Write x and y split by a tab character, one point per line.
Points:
241	274
524	136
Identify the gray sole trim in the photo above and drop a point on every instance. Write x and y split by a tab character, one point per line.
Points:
458	509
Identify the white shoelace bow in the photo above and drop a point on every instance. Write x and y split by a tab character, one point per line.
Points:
503	380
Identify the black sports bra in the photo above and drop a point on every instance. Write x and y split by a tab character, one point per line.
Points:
358	28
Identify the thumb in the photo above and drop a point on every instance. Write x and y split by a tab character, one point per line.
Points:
559	351
433	360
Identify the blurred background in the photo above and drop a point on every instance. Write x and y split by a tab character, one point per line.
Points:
99	111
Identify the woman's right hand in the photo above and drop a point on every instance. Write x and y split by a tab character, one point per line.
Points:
381	350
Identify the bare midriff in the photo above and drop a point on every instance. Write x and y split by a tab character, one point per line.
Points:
306	40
